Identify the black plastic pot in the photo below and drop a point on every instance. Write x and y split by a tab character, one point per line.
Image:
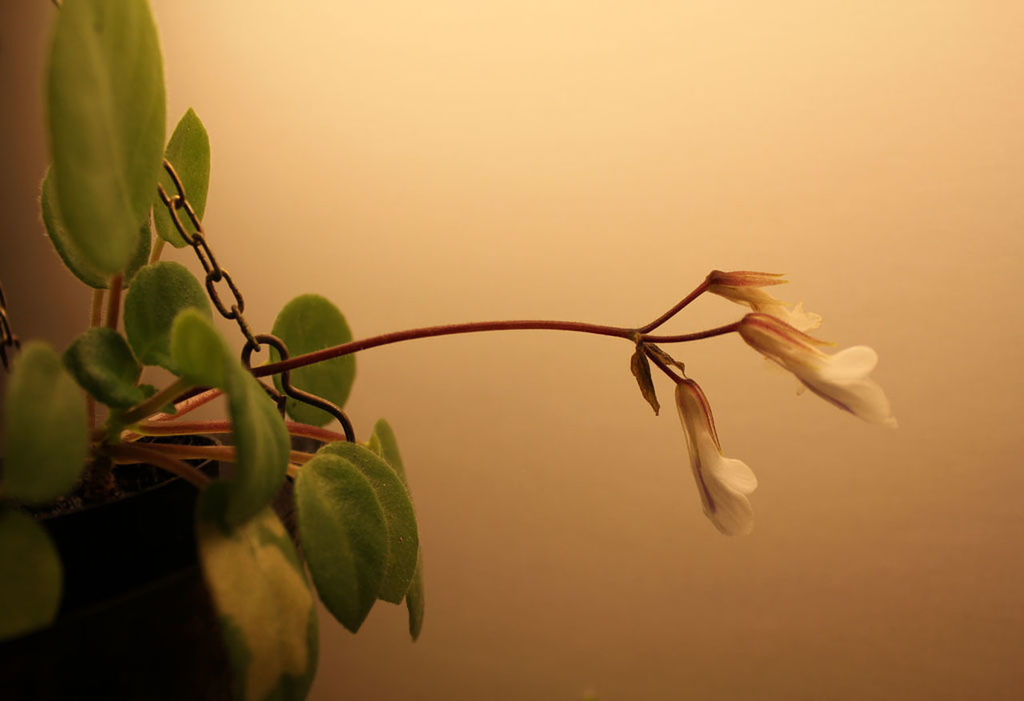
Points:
136	621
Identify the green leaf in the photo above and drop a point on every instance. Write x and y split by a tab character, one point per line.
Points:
159	292
104	366
641	369
383	443
189	152
73	258
310	323
262	443
403	538
106	125
198	351
267	610
344	536
47	427
30	588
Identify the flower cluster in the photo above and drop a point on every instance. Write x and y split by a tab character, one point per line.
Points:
777	332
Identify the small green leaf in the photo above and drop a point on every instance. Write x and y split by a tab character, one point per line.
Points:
198	351
189	153
403	538
344	536
73	258
641	369
267	611
47	430
106	125
383	443
159	292
30	588
310	323
104	366
262	443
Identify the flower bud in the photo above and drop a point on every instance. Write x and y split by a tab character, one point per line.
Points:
744	287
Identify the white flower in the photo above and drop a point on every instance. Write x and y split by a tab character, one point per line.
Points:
841	379
723	482
744	287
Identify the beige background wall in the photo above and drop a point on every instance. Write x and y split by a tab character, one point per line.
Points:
423	163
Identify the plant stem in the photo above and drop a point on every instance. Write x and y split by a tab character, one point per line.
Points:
696	336
114	301
194	402
158	248
95	311
96	308
697	292
443	330
182	428
158	457
154	403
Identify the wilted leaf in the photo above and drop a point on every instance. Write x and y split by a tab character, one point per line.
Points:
641	369
47	435
344	536
309	323
106	125
267	611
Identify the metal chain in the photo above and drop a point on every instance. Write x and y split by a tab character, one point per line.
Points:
216	274
7	337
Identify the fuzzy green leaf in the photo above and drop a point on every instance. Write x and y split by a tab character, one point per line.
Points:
104	366
262	444
344	536
68	251
198	351
383	443
106	125
47	430
267	610
30	588
189	153
309	323
403	538
159	292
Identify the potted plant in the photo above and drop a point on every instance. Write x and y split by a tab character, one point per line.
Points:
80	422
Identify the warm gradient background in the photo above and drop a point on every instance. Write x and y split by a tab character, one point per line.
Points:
423	163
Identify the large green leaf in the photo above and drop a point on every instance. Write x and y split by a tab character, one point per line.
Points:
30	587
403	538
383	443
262	444
189	152
159	292
103	364
309	323
47	430
106	124
73	258
267	611
344	536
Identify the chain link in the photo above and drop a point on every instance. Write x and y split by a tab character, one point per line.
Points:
233	310
7	337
